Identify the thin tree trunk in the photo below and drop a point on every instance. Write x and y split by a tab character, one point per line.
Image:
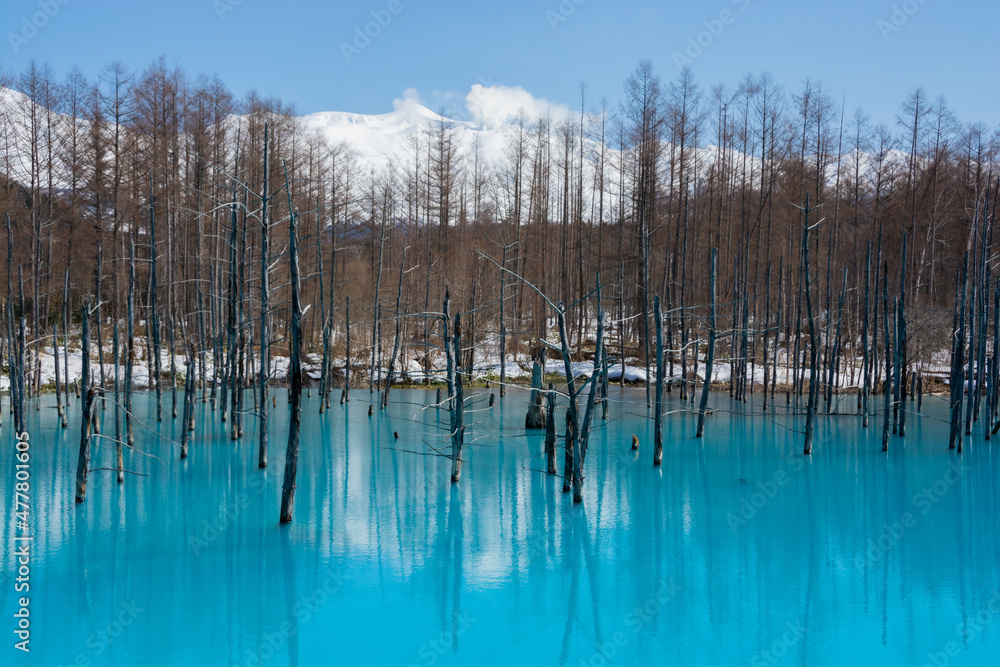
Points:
118	417
658	406
550	431
580	453
265	334
866	358
89	404
188	414
458	433
813	343
154	317
710	360
347	359
130	344
295	377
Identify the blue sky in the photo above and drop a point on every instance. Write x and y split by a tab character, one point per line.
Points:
295	49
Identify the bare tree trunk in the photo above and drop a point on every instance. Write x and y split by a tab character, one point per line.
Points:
834	352
265	334
503	327
376	359
658	417
118	417
188	414
766	330
347	359
89	405
887	385
130	344
98	323
813	342
295	381
866	357
154	317
55	356
458	434
580	453
453	378
957	359
398	317
709	361
550	431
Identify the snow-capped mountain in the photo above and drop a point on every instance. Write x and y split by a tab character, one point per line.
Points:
390	139
383	139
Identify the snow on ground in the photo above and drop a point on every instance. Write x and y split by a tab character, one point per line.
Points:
487	368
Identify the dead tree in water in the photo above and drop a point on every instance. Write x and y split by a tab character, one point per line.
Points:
130	343
118	416
25	354
595	380
241	368
866	358
326	317
658	416
376	321
265	333
154	318
577	432
958	358
993	395
188	413
228	369
55	356
550	431
766	330
458	436
971	380
453	378
833	364
18	369
97	305
87	427
900	357
604	383
1	365
813	342
398	317
172	342
712	333
295	381
621	321
503	329
9	312
887	385
346	396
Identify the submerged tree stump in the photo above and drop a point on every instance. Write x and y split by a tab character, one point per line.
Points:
535	418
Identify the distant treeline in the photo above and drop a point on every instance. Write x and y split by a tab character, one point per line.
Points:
638	191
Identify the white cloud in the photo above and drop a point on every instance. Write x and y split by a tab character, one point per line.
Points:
410	96
487	106
492	106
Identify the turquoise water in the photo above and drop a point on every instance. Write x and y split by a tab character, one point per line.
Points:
736	551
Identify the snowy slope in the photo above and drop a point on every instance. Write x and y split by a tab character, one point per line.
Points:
384	139
388	140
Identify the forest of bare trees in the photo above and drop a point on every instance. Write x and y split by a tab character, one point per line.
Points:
171	168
